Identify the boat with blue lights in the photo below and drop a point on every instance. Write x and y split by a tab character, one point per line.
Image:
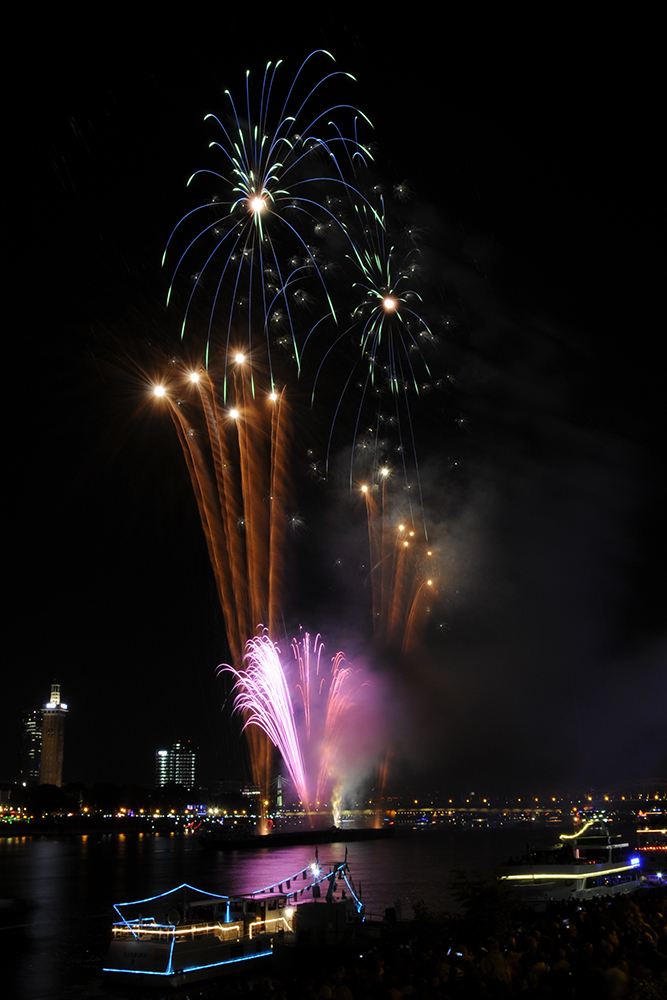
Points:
186	934
583	865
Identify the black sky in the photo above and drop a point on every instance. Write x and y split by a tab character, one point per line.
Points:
534	164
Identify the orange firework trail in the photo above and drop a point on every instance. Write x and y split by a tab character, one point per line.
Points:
237	459
401	586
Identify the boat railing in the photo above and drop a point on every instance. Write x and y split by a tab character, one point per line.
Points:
519	874
229	932
271	926
151	931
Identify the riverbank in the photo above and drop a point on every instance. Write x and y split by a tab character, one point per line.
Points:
615	948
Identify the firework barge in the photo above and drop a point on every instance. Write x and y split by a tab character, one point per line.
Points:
186	935
219	838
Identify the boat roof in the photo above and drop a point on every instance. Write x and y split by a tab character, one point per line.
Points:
291	886
202	895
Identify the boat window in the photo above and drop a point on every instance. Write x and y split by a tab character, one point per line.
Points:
609	881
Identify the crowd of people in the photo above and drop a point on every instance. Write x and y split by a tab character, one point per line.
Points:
613	948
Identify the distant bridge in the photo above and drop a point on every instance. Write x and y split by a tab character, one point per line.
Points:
632	791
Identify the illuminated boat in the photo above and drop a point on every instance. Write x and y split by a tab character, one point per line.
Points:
583	865
186	934
652	832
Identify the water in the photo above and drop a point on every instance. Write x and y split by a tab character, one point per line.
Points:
72	884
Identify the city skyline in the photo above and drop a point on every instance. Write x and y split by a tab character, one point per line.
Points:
542	483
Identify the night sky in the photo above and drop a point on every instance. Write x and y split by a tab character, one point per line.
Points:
535	171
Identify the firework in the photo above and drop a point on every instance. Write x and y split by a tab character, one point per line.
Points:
390	315
402	575
326	696
282	222
306	724
391	332
258	242
237	457
263	698
258	245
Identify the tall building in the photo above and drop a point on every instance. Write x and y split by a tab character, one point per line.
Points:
53	739
175	766
31	746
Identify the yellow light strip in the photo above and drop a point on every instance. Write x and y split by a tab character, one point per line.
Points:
573	836
150	930
574	875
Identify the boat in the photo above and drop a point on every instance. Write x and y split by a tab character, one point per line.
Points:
220	838
186	934
583	865
652	831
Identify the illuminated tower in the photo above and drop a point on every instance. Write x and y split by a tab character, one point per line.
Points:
175	766
53	739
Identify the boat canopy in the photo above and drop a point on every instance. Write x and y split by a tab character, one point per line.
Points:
188	904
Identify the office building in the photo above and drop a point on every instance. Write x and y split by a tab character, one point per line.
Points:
175	766
31	746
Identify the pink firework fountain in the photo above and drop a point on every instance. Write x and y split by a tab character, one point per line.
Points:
306	726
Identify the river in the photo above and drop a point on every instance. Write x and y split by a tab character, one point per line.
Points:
73	882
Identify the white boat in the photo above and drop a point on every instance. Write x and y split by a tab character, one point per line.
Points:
185	935
582	865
